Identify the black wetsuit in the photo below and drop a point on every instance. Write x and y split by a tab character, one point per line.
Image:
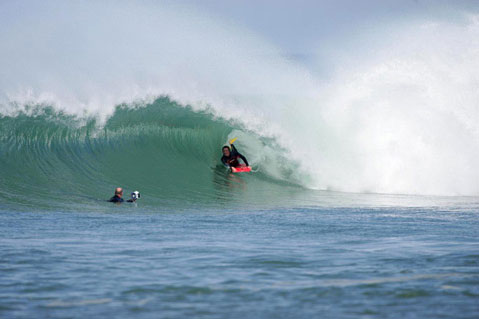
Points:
232	160
116	199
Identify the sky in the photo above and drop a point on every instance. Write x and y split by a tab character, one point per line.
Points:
303	26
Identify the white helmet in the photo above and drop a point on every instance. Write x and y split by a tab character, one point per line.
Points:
135	195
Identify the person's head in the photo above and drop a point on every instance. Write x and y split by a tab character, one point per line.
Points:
226	151
135	195
119	191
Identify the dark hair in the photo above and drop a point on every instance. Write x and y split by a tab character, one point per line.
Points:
226	147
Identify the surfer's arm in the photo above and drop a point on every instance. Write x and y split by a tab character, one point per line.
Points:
243	158
233	149
236	153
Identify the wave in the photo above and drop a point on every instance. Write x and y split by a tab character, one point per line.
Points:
396	115
167	151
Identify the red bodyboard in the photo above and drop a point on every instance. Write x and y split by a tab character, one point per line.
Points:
241	169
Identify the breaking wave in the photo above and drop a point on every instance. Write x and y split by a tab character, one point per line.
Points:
95	95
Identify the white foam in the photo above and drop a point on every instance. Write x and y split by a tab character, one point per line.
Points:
405	119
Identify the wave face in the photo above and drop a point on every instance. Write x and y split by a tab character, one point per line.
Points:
167	151
80	86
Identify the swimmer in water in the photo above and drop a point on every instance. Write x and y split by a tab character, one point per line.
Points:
118	197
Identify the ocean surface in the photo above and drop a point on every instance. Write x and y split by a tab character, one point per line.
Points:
233	261
204	243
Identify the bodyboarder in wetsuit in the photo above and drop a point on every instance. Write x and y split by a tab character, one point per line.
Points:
231	156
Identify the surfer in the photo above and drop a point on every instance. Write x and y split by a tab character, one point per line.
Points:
231	156
118	197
